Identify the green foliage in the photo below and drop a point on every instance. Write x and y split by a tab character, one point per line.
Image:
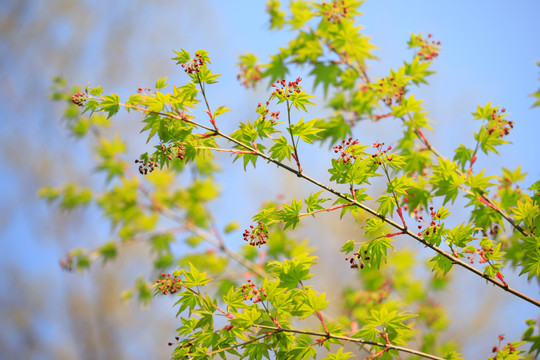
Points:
264	313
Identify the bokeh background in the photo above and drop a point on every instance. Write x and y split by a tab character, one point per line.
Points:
489	53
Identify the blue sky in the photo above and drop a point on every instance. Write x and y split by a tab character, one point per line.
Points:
489	53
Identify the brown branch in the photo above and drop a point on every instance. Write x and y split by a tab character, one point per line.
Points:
353	340
404	230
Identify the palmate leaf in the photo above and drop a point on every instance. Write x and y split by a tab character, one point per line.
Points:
463	155
301	13
347	247
181	56
300	100
418	71
306	131
326	75
445	180
110	104
276	68
335	128
291	272
387	204
281	149
313	201
461	235
306	47
441	264
289	214
161	83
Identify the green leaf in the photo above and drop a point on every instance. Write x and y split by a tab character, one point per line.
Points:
182	56
446	180
277	16
301	13
230	227
313	202
194	277
483	112
108	251
306	131
441	264
300	100
531	265
461	235
315	301
221	110
291	272
325	74
98	90
111	104
339	355
375	227
463	155
188	300
276	69
281	149
186	92
161	83
206	76
347	247
526	212
289	214
407	105
479	183
387	204
335	128
418	71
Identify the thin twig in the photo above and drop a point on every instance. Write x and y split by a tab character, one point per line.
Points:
353	340
404	230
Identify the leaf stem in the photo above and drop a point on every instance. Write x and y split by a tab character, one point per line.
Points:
327	209
295	155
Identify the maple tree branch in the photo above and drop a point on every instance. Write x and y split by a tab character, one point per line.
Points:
403	229
481	197
353	340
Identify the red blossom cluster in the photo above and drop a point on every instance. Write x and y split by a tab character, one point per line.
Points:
252	292
417	210
335	11
482	251
345	151
498	124
429	50
508	347
256	236
432	225
357	260
263	111
140	90
146	166
189	345
381	153
78	98
392	92
169	284
287	88
194	65
180	151
249	76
